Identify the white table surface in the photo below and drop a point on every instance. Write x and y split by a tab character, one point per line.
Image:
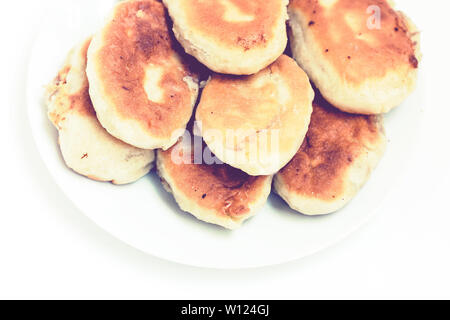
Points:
48	249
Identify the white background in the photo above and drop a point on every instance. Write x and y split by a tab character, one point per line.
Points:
48	249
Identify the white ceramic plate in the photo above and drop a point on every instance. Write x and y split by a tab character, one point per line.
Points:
146	217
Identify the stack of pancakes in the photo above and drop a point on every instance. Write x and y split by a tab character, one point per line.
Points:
310	125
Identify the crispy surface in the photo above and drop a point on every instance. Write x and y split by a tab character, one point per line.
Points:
86	146
253	102
225	190
356	51
242	23
276	102
236	37
77	99
135	40
333	143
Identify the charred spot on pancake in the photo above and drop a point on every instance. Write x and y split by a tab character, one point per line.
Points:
400	25
225	189
61	78
249	43
334	140
153	37
414	62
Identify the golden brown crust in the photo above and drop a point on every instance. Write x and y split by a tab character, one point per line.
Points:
208	17
79	101
85	145
234	102
355	50
218	187
272	106
334	140
137	37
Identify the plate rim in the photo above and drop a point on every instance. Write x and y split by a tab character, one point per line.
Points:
328	244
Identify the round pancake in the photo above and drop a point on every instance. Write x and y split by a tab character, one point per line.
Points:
217	193
139	85
338	155
257	123
237	37
360	64
86	147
